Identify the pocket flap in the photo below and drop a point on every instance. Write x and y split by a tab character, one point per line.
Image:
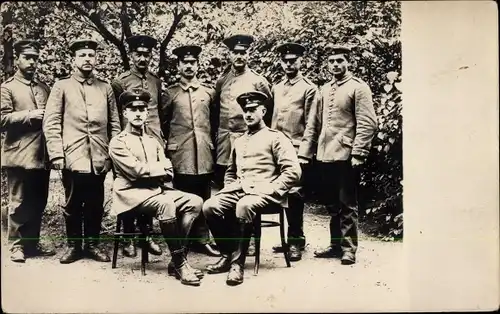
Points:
347	140
172	147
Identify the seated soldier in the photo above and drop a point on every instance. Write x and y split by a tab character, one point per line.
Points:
141	170
264	167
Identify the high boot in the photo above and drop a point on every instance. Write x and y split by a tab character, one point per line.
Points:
235	275
171	268
224	241
172	237
129	247
74	233
145	223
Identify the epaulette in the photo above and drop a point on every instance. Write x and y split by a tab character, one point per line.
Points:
255	72
67	77
103	79
308	81
124	74
357	79
8	80
209	86
153	74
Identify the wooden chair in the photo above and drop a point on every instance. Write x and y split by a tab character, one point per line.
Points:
273	209
143	243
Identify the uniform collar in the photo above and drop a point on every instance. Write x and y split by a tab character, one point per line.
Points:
20	77
249	133
77	75
133	131
185	85
346	78
136	72
297	78
245	70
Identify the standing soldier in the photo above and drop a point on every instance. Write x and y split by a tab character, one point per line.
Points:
293	98
340	130
188	110
239	79
139	76
24	156
80	119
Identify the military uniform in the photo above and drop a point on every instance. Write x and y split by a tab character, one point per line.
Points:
80	119
141	169
133	79
264	167
24	155
230	115
293	100
341	125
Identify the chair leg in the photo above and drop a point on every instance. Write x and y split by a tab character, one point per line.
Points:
284	244
144	254
116	240
257	236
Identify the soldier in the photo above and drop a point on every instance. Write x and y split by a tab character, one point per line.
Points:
24	156
229	116
141	168
139	76
188	108
264	167
293	98
80	119
340	130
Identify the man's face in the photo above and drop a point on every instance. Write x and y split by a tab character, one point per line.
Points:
85	60
254	115
239	58
188	68
337	64
136	115
291	64
27	63
141	57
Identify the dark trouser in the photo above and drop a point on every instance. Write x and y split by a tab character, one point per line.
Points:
28	192
295	211
197	185
218	176
170	205
84	203
339	193
224	211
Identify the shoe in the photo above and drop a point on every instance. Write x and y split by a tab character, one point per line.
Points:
186	275
235	275
129	250
39	250
72	254
17	255
251	248
329	252
348	258
279	249
206	249
96	254
154	248
222	266
171	270
295	253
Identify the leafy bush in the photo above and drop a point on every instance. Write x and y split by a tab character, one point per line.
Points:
371	28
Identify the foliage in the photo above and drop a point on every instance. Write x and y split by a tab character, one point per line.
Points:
371	28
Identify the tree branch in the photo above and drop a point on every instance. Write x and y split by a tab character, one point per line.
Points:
126	31
163	46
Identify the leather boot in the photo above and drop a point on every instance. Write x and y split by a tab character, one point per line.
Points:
236	272
146	226
74	233
172	236
129	248
171	268
93	251
223	237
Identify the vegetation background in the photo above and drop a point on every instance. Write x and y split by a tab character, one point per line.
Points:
371	28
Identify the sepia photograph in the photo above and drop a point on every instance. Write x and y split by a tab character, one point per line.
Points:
215	156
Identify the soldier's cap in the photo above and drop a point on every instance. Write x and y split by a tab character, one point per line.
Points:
337	49
187	53
251	99
145	42
238	42
291	50
27	46
83	44
134	98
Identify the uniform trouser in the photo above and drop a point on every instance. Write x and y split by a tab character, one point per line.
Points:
295	210
339	194
197	185
218	177
84	203
28	192
172	204
224	210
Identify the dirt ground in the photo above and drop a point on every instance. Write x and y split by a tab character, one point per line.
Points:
43	285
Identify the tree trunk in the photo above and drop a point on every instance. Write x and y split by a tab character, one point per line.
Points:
8	48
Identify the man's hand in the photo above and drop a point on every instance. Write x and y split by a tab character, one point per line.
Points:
36	114
303	161
58	164
357	161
